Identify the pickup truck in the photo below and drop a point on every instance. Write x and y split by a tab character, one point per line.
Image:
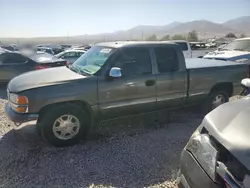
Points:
118	79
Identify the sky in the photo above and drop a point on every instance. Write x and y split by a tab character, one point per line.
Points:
44	18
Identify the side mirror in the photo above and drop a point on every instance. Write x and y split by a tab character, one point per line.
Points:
246	82
115	72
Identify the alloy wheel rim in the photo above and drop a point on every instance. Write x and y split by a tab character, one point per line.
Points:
66	127
217	101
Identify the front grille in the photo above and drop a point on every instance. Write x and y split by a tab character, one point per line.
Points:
233	165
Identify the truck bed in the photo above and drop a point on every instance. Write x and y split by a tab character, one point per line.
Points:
203	74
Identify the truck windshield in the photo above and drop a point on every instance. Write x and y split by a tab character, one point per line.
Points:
91	61
240	45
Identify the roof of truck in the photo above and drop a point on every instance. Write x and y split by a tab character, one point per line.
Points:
196	63
119	44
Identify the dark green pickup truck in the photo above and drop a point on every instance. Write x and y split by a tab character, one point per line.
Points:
118	79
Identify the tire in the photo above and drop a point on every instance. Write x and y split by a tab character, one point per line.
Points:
50	122
209	106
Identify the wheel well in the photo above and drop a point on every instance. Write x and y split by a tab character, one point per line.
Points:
226	86
82	104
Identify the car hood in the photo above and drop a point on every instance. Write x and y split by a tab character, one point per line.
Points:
229	124
227	54
40	78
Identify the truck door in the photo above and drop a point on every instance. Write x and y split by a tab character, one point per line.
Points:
171	79
132	93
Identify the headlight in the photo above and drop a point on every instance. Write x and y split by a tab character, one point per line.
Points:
202	149
18	103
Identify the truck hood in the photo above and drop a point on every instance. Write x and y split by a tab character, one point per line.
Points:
227	55
229	124
40	78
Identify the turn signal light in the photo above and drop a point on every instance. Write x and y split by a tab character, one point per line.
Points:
22	100
20	109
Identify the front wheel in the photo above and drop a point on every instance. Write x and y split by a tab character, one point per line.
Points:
215	99
64	125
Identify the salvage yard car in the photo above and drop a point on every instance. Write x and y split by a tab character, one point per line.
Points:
70	55
237	50
217	154
13	64
118	79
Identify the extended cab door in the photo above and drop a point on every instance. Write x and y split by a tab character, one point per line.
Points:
171	77
132	93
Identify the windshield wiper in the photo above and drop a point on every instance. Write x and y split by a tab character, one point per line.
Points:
73	68
81	71
78	70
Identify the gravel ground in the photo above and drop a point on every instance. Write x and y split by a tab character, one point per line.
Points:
136	157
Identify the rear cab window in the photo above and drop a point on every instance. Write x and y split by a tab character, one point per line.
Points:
183	45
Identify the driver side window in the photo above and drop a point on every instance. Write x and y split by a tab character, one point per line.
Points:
134	61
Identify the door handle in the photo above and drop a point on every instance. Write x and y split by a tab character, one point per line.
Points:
150	82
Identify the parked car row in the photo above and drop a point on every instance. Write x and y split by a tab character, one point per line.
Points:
71	55
238	50
26	59
13	64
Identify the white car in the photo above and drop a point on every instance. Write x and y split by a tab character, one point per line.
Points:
238	50
71	55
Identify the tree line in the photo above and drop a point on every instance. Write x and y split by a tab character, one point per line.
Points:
191	37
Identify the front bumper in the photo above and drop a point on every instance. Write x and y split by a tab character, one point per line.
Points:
17	118
191	173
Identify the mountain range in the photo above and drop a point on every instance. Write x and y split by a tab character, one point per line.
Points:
204	28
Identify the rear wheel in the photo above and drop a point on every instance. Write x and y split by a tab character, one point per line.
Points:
64	125
215	99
